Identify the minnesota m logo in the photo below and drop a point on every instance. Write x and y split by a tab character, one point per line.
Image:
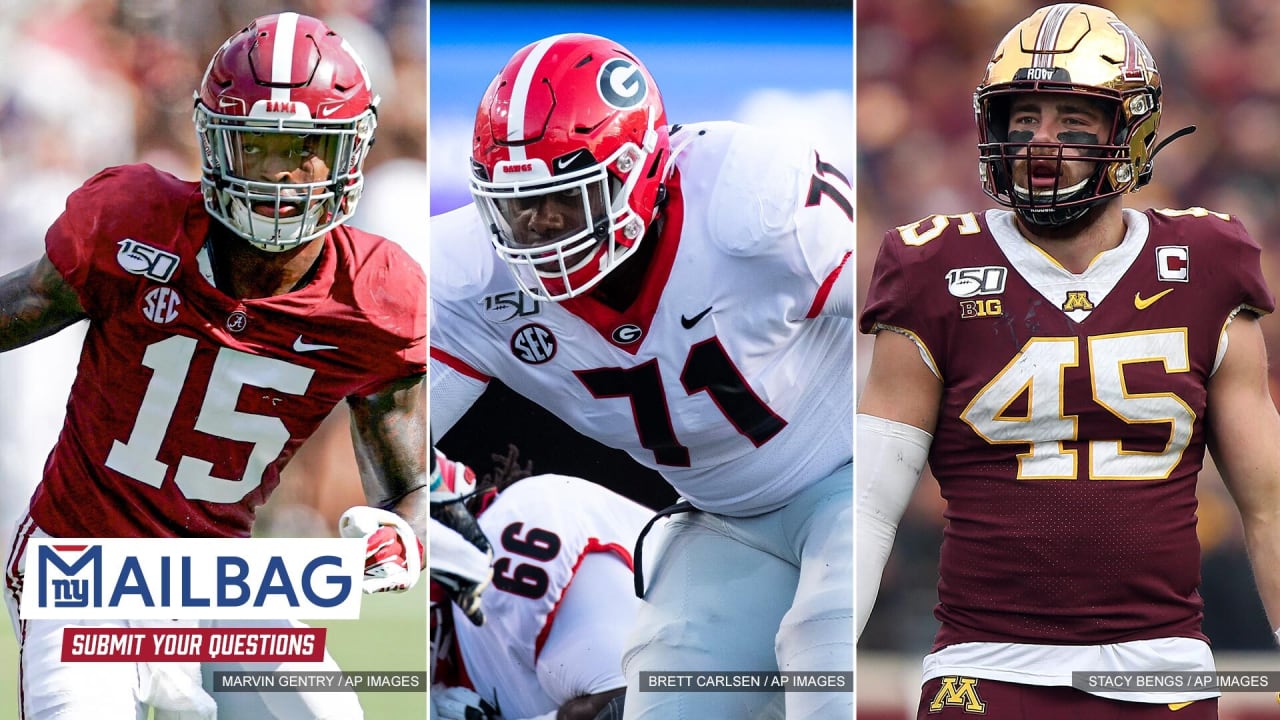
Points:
962	692
1077	300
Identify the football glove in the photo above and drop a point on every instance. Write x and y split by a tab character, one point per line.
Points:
450	481
459	703
393	553
613	709
461	568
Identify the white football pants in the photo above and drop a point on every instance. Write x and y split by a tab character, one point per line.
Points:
765	593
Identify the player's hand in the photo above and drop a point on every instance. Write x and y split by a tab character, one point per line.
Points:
393	553
450	480
459	703
460	567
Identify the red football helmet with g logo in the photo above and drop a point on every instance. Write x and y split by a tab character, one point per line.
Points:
283	93
568	160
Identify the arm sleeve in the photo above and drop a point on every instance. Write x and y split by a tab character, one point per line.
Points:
583	652
891	456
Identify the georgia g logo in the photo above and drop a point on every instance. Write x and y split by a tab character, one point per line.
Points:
621	84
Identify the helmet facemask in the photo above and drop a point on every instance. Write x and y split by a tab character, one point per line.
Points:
1009	160
562	235
278	216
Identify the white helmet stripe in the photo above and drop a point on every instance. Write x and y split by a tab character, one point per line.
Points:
1047	39
520	95
282	56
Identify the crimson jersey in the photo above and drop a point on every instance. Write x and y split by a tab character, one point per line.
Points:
187	403
1071	427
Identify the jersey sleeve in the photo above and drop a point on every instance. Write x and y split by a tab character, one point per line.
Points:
1254	295
789	203
406	305
886	303
387	289
454	389
907	293
102	213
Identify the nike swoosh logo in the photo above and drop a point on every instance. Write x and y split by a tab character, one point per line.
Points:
1175	707
564	162
300	346
690	322
1143	303
327	111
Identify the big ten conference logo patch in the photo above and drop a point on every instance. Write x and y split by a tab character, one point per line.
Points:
192	578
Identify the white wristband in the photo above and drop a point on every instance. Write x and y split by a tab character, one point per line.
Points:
1278	636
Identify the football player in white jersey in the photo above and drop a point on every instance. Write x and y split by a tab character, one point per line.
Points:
557	611
684	298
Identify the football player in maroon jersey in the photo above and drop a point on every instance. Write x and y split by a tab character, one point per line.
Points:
227	317
1062	363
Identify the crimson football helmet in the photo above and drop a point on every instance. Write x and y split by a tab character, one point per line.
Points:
1082	51
280	96
568	162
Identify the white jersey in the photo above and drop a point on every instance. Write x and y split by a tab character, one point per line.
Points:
731	373
542	528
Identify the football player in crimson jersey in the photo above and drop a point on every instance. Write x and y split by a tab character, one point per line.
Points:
1062	364
683	296
227	317
558	609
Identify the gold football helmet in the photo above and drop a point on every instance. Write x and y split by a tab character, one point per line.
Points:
1080	50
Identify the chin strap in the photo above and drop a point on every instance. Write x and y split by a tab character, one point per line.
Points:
1144	177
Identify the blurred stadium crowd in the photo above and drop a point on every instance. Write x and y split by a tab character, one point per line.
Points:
918	62
87	84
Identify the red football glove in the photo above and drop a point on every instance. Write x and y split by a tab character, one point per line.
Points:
393	553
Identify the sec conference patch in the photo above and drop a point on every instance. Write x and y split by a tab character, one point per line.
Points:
533	344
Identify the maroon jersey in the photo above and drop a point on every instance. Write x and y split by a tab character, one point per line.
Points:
187	403
1071	427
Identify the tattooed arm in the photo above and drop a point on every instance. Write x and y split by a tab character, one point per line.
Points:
35	302
389	430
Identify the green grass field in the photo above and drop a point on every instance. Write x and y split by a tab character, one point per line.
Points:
391	635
